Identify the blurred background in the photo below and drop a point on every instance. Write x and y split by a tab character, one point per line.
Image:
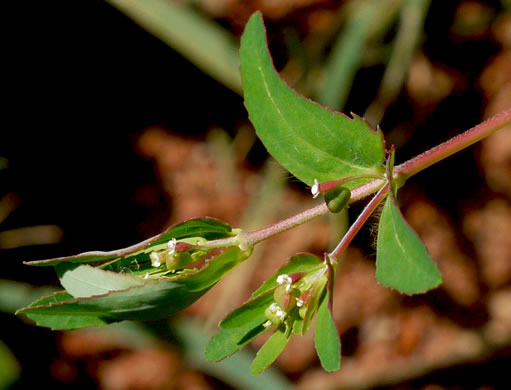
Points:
124	116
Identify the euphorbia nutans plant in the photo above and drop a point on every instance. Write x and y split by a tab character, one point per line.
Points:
341	158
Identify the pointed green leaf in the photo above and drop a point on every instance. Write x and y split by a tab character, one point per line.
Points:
271	350
228	341
310	141
402	261
152	300
208	228
302	262
61	321
326	338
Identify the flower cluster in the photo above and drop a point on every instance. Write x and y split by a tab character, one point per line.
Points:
177	254
295	298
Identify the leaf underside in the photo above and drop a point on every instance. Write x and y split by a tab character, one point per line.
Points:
310	141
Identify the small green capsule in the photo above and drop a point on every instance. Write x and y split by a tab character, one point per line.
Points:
177	260
302	312
337	199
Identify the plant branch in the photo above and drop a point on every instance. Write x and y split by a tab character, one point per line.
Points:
310	214
287	224
455	144
401	173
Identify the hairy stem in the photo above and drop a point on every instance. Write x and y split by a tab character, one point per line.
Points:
401	173
286	224
357	225
455	144
310	214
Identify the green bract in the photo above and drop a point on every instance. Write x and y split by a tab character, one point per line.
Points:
133	283
326	338
310	141
402	261
304	280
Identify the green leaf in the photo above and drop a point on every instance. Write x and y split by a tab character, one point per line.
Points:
60	321
153	300
228	341
310	141
402	261
235	371
271	350
208	228
303	262
253	310
85	281
326	338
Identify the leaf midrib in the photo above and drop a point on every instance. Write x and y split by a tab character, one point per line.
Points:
296	134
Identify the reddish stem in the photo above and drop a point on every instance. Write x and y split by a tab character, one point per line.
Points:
330	185
401	173
286	224
357	225
455	144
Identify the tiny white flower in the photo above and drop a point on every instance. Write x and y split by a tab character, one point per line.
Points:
280	314
171	246
315	189
274	307
155	259
299	302
284	279
146	276
267	324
